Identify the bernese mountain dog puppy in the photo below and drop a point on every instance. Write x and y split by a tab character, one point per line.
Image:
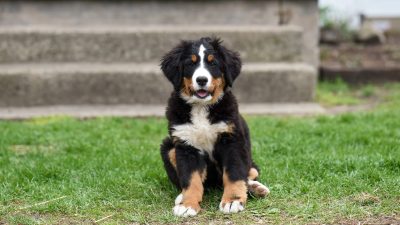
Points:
209	142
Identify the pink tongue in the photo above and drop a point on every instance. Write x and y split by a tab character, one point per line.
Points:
202	93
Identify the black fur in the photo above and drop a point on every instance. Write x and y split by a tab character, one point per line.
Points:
230	60
172	64
232	151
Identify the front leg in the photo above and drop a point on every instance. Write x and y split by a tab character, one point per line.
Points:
191	170
235	172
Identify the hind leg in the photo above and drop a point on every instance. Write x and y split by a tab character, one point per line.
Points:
254	187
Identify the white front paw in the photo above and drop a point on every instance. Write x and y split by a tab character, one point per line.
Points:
180	210
231	207
179	199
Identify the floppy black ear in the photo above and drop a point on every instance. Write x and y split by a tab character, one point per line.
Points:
232	64
172	65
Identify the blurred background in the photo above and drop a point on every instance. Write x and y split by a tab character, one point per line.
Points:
352	9
359	40
88	58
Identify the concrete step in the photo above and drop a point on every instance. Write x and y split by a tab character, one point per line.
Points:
95	13
99	12
90	111
77	83
142	43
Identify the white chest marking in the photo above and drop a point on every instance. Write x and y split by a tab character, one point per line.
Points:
200	134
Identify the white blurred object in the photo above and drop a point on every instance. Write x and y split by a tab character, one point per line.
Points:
381	25
353	8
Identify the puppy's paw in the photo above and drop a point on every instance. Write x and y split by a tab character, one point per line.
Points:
183	211
231	207
257	189
179	199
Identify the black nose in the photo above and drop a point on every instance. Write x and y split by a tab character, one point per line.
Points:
202	81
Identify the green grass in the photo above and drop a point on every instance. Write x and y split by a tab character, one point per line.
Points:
320	169
337	93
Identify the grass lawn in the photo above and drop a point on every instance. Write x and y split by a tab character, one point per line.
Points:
322	169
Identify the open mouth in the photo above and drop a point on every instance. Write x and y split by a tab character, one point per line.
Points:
202	93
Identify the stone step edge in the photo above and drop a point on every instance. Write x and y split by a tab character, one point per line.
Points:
93	111
151	29
63	68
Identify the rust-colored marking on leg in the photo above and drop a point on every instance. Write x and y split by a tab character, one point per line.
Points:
204	175
193	195
172	157
236	190
253	174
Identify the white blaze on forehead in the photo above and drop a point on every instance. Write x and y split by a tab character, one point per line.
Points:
201	71
201	54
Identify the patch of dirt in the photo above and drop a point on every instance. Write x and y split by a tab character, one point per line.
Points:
48	218
393	219
335	110
366	199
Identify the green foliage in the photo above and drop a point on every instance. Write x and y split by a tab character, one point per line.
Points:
338	92
324	17
330	20
391	97
368	90
335	93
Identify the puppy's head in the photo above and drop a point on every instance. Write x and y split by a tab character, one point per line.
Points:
201	70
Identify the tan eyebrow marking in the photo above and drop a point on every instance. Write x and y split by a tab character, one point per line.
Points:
194	58
210	58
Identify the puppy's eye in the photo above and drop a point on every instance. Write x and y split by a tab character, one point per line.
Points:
194	58
210	58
